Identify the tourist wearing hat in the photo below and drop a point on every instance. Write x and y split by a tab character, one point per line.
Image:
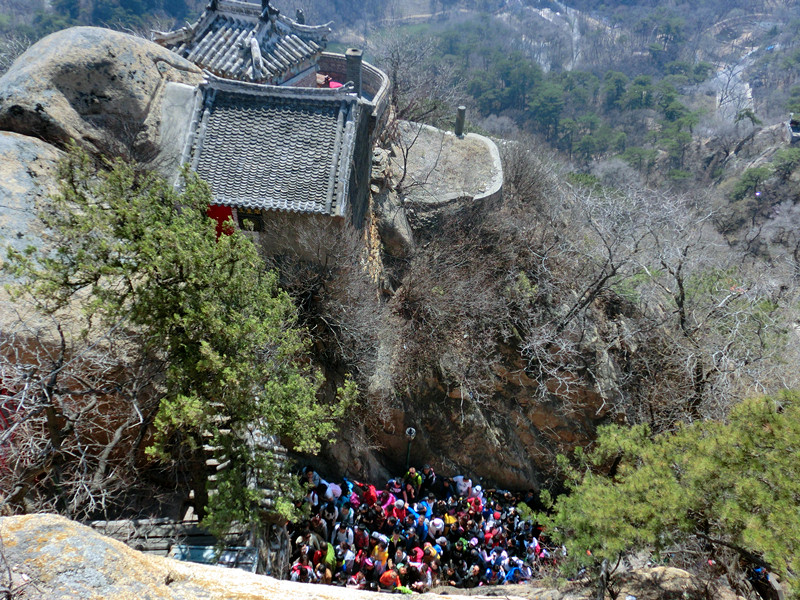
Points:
395	486
476	492
371	575
398	509
435	528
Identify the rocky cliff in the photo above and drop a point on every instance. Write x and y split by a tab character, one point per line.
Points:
27	173
98	88
108	92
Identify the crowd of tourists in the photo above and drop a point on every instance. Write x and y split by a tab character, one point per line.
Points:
417	532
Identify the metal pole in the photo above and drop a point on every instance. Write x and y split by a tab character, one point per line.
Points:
411	433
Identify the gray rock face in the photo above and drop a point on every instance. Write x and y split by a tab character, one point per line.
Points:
57	559
27	174
393	227
98	87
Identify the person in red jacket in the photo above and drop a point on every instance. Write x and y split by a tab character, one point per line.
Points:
398	510
361	538
390	580
368	493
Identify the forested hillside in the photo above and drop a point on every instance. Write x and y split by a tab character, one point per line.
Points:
633	93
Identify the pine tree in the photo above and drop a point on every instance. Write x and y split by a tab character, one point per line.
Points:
139	256
731	489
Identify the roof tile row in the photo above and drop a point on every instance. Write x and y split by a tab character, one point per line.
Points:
273	151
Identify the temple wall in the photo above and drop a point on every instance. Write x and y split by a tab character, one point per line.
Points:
374	85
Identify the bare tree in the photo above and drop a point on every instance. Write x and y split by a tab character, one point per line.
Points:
422	90
733	92
333	273
623	298
76	407
725	314
453	311
11	46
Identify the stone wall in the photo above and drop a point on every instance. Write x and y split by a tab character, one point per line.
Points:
374	84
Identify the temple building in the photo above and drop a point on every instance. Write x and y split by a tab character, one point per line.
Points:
278	124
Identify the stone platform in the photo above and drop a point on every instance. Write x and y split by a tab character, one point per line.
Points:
444	173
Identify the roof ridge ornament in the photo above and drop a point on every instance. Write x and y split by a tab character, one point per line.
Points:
268	12
257	60
213	5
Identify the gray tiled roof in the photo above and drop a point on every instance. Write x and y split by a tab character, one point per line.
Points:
274	148
233	42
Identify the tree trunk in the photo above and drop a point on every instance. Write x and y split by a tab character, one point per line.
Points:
602	581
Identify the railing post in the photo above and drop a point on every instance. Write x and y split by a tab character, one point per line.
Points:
461	117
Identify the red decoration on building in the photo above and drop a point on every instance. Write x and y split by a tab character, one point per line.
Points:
221	214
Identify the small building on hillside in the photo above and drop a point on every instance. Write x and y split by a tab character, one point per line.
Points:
793	129
274	149
279	124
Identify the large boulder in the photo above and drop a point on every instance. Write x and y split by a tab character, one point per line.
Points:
440	174
27	174
101	88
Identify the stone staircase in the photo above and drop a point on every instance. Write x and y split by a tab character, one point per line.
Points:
187	538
